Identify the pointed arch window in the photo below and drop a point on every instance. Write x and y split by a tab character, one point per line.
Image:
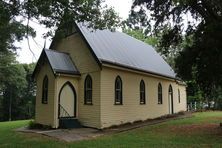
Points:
170	90
45	90
118	91
179	95
142	92
160	94
88	90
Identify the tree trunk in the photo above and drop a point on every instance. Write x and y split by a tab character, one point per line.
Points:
10	105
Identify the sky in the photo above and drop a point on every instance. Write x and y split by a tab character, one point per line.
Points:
36	45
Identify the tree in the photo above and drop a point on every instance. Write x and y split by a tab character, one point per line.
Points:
15	17
1	106
144	32
14	85
28	94
17	99
11	30
201	59
138	34
52	14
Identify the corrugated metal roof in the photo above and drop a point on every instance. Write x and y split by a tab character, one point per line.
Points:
121	49
61	62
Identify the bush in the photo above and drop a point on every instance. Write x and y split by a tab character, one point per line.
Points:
181	113
34	125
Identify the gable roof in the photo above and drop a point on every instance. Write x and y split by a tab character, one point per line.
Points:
59	62
120	49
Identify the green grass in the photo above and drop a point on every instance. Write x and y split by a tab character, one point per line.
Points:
201	130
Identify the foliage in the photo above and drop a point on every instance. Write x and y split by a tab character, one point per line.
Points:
138	34
29	92
14	84
11	30
18	93
138	20
1	107
139	26
15	17
6	58
33	125
54	14
202	58
217	98
200	130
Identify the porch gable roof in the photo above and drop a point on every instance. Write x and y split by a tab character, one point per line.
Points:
60	62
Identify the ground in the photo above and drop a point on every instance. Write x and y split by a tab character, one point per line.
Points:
201	130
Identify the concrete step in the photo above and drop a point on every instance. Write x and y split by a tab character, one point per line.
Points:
68	123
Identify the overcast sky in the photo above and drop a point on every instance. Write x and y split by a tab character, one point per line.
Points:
25	55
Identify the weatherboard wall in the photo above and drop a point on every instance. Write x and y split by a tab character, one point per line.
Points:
88	115
132	110
45	112
79	52
183	98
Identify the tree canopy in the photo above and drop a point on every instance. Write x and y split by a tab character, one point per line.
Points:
139	26
17	97
15	16
199	23
52	14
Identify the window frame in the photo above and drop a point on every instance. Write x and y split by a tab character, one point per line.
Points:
142	92
88	95
45	87
118	91
160	94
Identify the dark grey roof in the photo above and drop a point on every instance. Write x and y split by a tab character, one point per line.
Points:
61	62
124	50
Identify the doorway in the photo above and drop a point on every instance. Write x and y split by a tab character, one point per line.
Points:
170	96
67	101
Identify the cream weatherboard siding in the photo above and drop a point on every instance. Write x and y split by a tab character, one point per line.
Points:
79	52
88	115
45	113
182	106
132	110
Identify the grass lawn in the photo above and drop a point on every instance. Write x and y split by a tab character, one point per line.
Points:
202	130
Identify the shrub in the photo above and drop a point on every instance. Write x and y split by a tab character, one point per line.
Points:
34	125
